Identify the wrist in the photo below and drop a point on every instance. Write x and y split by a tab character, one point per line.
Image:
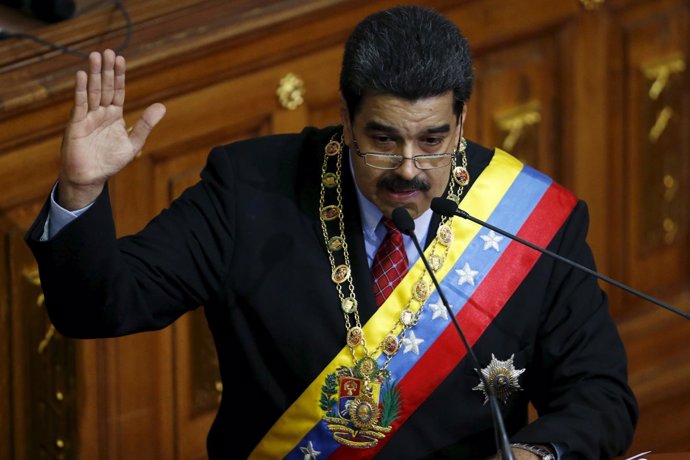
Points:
73	197
539	451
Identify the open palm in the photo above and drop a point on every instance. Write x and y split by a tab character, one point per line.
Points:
97	144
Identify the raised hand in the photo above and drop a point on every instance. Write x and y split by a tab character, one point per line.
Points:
96	144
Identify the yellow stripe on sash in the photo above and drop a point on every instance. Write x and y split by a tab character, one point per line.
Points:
481	200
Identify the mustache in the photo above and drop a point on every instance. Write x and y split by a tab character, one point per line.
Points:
398	184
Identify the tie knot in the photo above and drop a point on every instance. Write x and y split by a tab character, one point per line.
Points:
389	225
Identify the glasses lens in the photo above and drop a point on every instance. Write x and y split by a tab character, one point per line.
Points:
432	161
383	161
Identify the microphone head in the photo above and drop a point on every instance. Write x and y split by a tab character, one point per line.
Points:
403	221
444	206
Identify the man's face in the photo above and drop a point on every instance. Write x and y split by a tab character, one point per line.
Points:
389	124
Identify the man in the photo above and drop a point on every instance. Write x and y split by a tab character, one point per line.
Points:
323	316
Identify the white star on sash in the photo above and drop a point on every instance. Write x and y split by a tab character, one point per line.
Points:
439	310
411	343
466	275
309	452
491	241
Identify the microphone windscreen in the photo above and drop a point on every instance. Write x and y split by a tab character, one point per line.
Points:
444	206
403	221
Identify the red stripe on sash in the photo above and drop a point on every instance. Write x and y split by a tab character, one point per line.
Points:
481	309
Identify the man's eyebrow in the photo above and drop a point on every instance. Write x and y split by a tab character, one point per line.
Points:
376	126
439	129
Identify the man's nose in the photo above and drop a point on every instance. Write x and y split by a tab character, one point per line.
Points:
408	169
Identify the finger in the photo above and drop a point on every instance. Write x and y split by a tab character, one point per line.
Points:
119	94
94	84
94	80
107	77
142	128
81	104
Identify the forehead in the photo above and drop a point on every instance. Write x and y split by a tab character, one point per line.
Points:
395	113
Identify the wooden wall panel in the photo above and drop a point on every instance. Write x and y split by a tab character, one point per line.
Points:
216	65
6	440
516	103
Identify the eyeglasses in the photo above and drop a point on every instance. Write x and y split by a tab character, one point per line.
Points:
395	160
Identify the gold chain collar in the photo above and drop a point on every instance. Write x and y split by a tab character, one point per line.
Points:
339	258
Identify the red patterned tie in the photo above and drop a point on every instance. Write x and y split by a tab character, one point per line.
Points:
390	263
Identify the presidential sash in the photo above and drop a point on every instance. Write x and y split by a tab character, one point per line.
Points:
508	195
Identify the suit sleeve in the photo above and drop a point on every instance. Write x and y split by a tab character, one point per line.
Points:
98	286
581	394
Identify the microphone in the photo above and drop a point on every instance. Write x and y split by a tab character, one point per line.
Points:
449	208
403	222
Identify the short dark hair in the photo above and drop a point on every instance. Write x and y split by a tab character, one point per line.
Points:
410	52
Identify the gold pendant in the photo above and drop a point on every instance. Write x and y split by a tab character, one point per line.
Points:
348	304
330	212
329	180
420	291
354	336
436	262
461	176
340	274
335	244
445	235
360	404
391	344
333	148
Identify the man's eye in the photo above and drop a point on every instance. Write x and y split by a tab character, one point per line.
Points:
433	141
382	139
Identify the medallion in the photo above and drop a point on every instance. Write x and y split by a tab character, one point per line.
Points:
391	344
360	404
330	212
335	244
349	304
407	317
340	274
445	235
502	377
435	262
420	290
329	180
461	176
354	336
333	148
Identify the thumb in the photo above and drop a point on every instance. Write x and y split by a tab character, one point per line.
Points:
145	124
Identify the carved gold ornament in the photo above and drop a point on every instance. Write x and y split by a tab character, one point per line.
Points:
514	121
290	91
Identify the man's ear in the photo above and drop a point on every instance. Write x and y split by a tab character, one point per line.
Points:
345	120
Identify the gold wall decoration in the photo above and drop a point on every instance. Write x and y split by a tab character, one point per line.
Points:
514	121
660	125
662	115
33	279
50	408
290	91
660	71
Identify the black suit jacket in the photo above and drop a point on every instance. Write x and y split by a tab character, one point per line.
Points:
246	243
